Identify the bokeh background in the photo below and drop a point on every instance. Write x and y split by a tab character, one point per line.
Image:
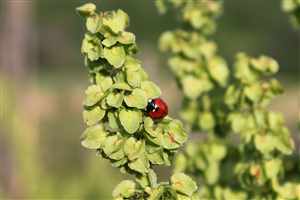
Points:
42	82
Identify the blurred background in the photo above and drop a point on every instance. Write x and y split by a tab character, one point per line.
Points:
42	82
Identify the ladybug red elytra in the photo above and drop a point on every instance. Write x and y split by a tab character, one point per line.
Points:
157	108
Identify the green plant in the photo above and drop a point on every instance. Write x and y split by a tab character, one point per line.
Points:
247	152
114	111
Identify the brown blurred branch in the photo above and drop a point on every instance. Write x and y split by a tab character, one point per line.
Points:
15	37
15	61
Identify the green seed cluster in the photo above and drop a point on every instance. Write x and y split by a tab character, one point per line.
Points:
265	141
246	148
179	187
114	111
292	7
248	100
194	60
198	70
206	160
200	14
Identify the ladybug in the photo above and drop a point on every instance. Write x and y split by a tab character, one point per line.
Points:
157	108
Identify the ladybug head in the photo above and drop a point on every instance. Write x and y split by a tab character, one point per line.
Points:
150	106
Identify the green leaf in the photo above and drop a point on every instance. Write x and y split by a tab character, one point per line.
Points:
289	5
180	163
151	89
160	4
93	23
183	184
183	197
112	145
152	178
156	158
275	120
218	70
134	72
93	137
151	148
126	38
110	41
134	77
289	190
157	139
175	129
115	56
212	173
194	87
148	124
112	121
130	119
166	40
265	64
227	193
133	148
260	118
218	151
232	96
272	168
254	92
283	142
150	128
116	21
137	99
104	81
209	49
168	141
115	99
120	77
143	181
167	158
119	163
243	71
264	143
140	165
91	46
181	66
91	117
124	189
206	121
103	104
132	63
238	122
93	94
122	86
86	9
118	155
195	17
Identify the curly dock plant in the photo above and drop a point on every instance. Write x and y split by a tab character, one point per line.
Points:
247	152
194	60
118	127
